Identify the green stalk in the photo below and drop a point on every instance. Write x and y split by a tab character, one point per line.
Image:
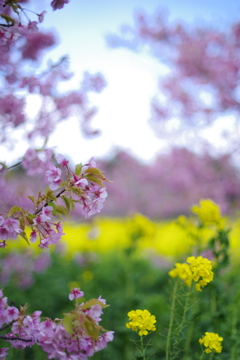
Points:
234	328
180	328
142	348
171	319
202	355
188	340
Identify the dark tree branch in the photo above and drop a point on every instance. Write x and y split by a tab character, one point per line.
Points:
6	326
7	25
5	337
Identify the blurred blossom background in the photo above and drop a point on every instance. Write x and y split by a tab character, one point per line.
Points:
166	127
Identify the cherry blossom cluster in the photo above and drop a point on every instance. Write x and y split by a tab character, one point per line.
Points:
9	228
85	183
84	187
78	335
36	163
22	44
75	337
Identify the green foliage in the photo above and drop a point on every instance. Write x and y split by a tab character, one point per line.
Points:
129	282
78	169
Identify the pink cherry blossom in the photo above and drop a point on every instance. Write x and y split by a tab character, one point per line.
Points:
11	313
46	211
53	173
33	236
9	229
3	353
61	160
58	4
75	293
41	16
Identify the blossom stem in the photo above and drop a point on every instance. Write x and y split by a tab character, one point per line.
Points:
171	319
202	355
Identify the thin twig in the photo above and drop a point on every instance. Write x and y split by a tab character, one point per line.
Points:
46	204
11	167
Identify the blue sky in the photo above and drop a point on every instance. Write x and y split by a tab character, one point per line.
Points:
124	106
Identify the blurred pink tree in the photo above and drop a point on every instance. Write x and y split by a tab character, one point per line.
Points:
170	185
203	77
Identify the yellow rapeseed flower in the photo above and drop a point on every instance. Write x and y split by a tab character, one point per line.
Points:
183	272
211	341
208	212
198	269
141	321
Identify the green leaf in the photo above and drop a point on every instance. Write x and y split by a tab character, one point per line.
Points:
96	173
93	302
52	204
68	323
76	190
7	18
49	194
94	180
32	198
78	169
14	209
24	236
92	329
30	219
64	183
93	170
68	202
62	210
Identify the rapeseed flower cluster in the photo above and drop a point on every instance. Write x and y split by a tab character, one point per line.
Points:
208	212
211	341
198	269
141	321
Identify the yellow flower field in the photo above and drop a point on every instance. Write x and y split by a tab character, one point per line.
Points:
171	238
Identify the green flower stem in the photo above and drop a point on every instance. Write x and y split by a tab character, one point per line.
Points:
203	353
180	328
234	326
189	335
171	319
142	349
